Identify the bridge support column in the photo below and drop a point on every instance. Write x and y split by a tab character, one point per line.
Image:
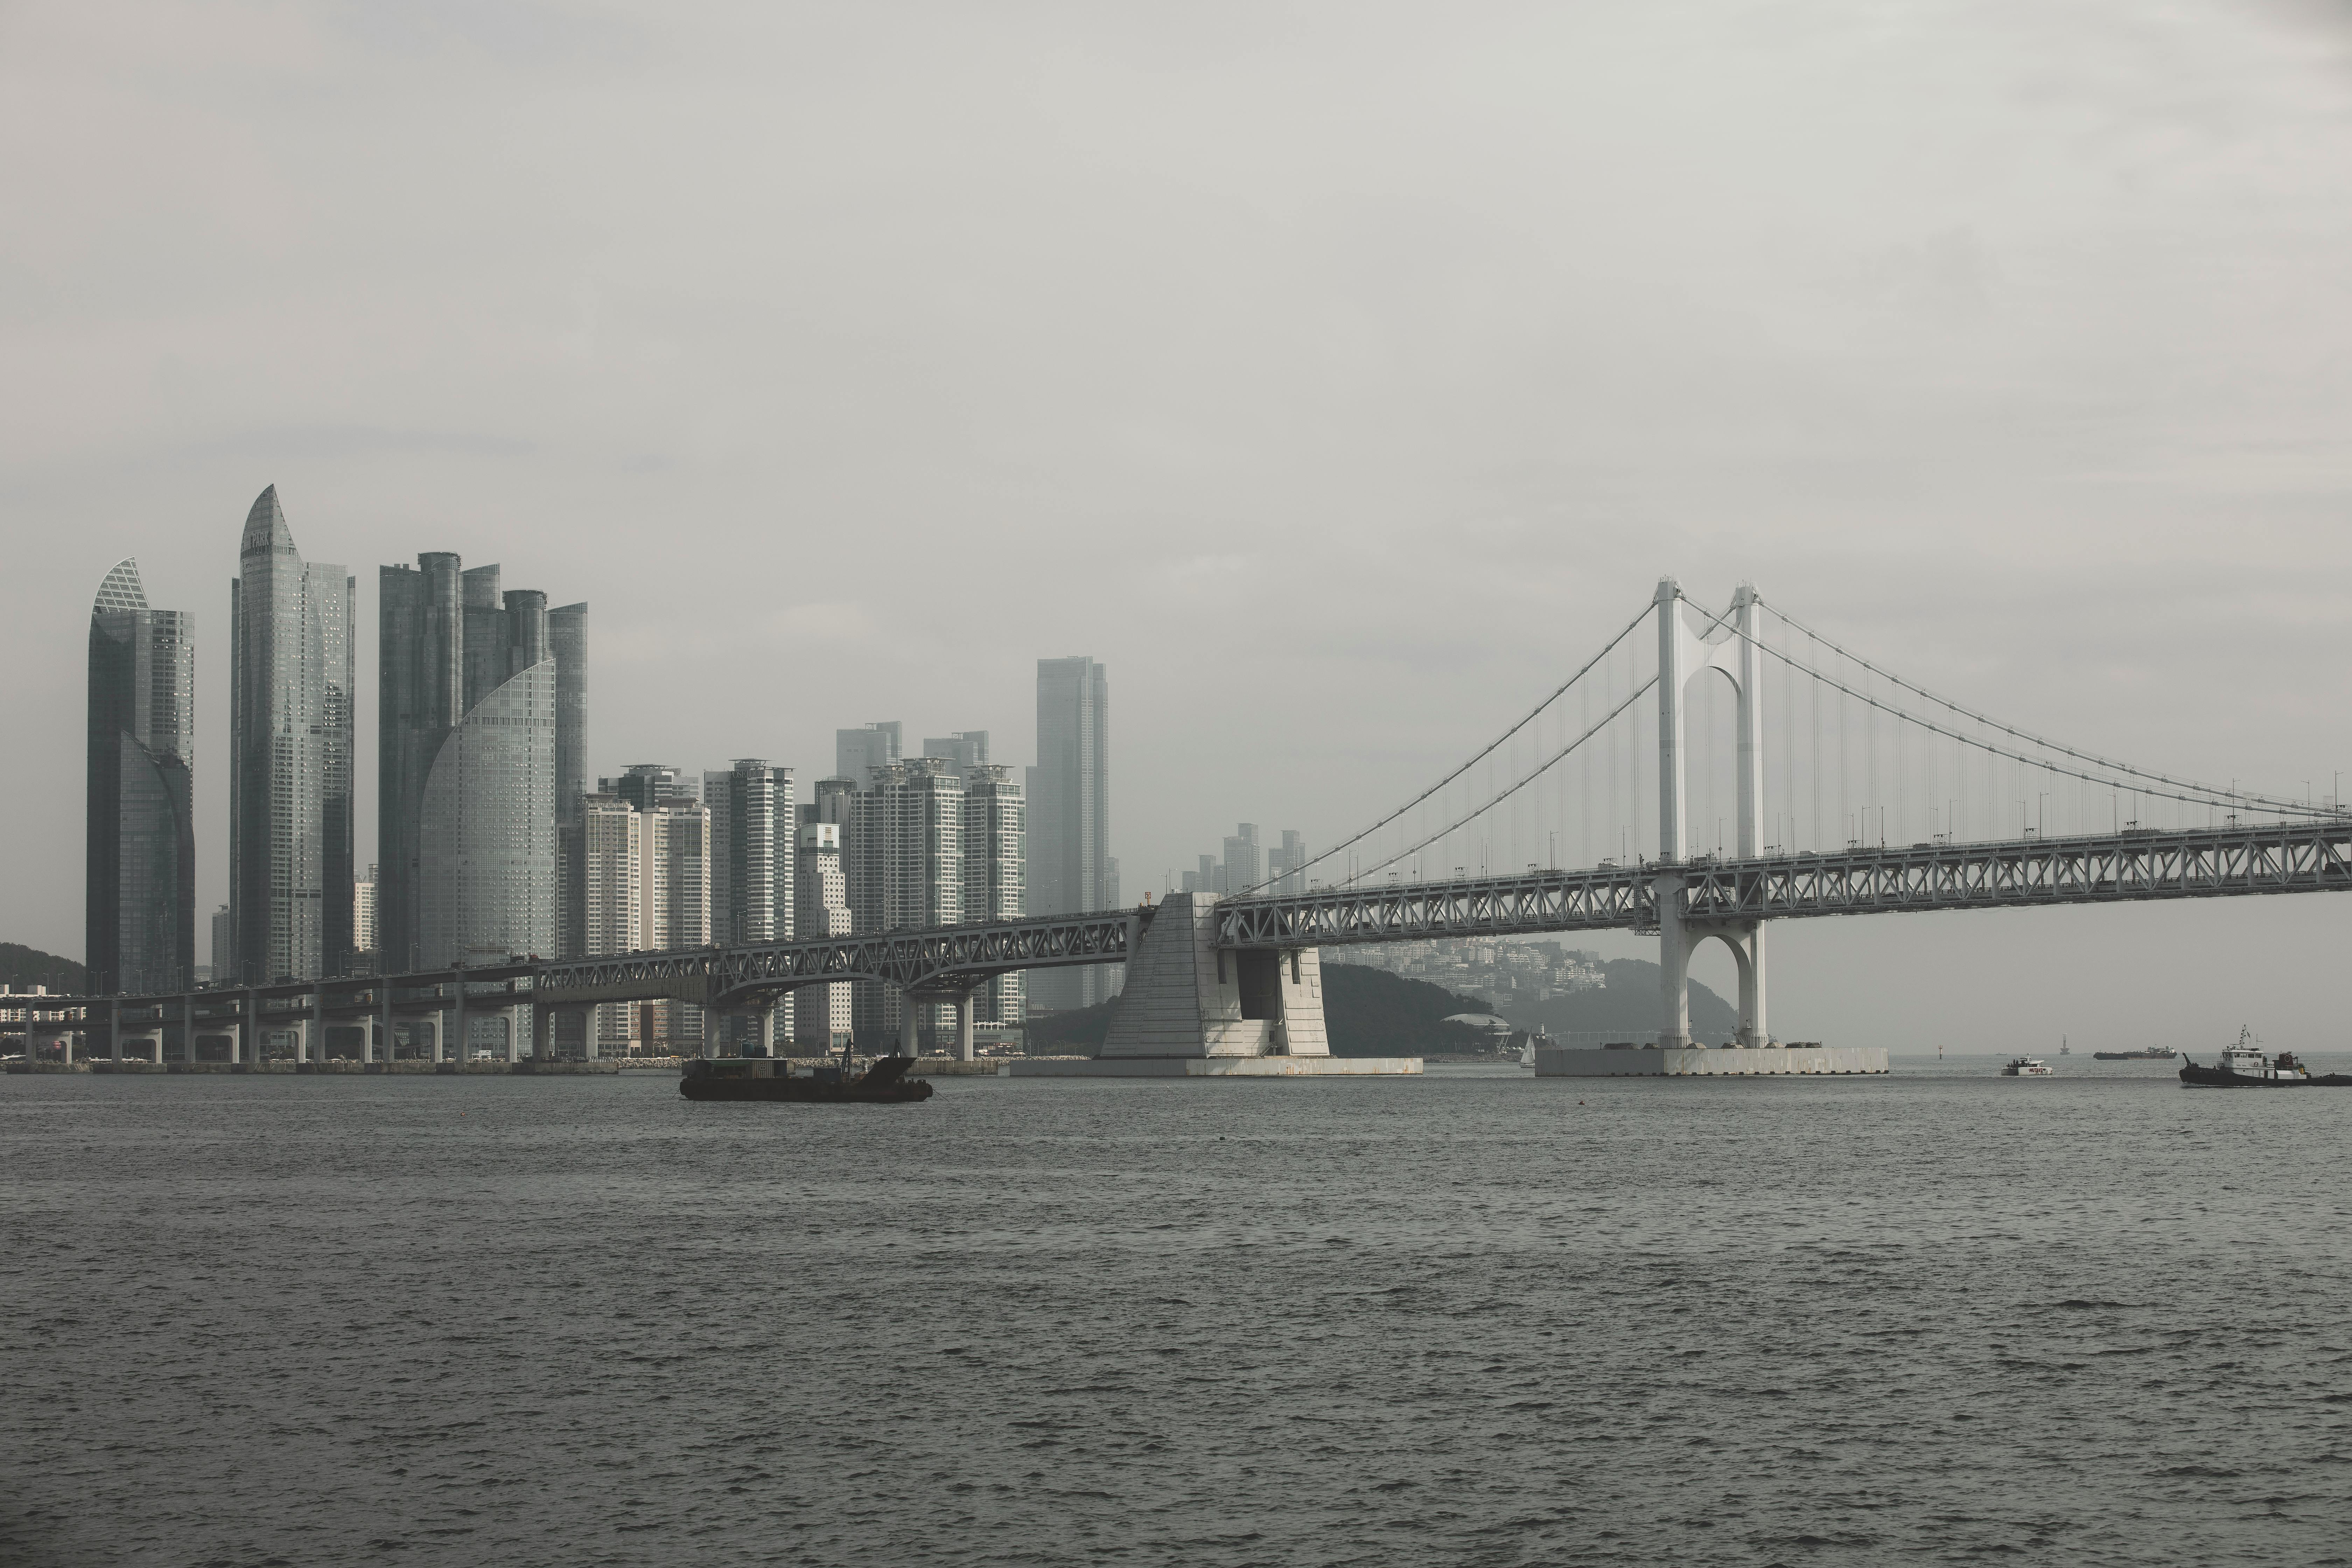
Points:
459	1047
248	1051
1673	961
1678	940
114	1032
588	1032
963	1026
1186	997
910	1043
543	1033
517	1022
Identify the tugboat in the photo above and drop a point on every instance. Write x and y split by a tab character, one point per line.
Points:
2244	1065
2029	1067
883	1082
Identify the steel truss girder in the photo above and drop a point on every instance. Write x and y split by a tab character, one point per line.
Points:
2198	863
2203	863
1607	898
941	961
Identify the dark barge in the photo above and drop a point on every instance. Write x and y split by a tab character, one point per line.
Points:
883	1082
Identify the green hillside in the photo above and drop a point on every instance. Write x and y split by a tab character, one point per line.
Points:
22	966
1628	1007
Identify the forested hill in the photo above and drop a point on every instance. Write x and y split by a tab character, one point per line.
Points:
22	967
1628	1007
1371	1013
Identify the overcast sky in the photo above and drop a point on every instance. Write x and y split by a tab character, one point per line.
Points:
1338	375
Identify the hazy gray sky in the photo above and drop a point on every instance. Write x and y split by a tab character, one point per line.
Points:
1338	374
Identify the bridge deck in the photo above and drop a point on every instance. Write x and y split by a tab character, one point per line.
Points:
2292	858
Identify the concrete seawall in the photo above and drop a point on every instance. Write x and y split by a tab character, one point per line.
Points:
1775	1061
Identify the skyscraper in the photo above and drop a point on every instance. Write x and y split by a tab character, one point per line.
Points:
995	884
1244	867
139	890
823	1013
674	885
902	849
1069	820
290	687
752	859
471	726
605	911
858	753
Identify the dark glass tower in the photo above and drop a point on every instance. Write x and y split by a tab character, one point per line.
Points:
290	821
140	897
1070	867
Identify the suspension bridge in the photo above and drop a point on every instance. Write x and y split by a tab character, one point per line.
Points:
1813	766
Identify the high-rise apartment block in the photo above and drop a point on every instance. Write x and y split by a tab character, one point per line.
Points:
472	745
604	911
995	860
753	861
903	855
858	754
363	928
823	1013
290	812
674	883
140	887
1287	864
1070	867
1243	864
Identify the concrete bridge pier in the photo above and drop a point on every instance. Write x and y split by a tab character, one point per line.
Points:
963	1027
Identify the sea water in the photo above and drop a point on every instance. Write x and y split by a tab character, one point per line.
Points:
1473	1317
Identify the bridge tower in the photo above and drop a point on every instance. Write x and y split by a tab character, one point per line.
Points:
1685	654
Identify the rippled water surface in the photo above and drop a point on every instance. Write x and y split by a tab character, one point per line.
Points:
1471	1318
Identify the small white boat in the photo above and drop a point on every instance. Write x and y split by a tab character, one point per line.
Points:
2029	1067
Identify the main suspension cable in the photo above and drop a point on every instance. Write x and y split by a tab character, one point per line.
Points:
1348	843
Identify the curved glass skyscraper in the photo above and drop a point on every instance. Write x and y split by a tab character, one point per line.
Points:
480	726
291	651
140	892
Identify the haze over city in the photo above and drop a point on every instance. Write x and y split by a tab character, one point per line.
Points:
1339	387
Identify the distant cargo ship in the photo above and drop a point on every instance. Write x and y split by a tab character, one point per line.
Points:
2153	1054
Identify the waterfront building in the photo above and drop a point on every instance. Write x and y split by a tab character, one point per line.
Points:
364	934
291	674
903	857
138	909
603	910
995	861
752	863
469	789
823	1013
1069	865
673	889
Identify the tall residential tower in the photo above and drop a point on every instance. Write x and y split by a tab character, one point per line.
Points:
139	894
290	685
470	763
1070	867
